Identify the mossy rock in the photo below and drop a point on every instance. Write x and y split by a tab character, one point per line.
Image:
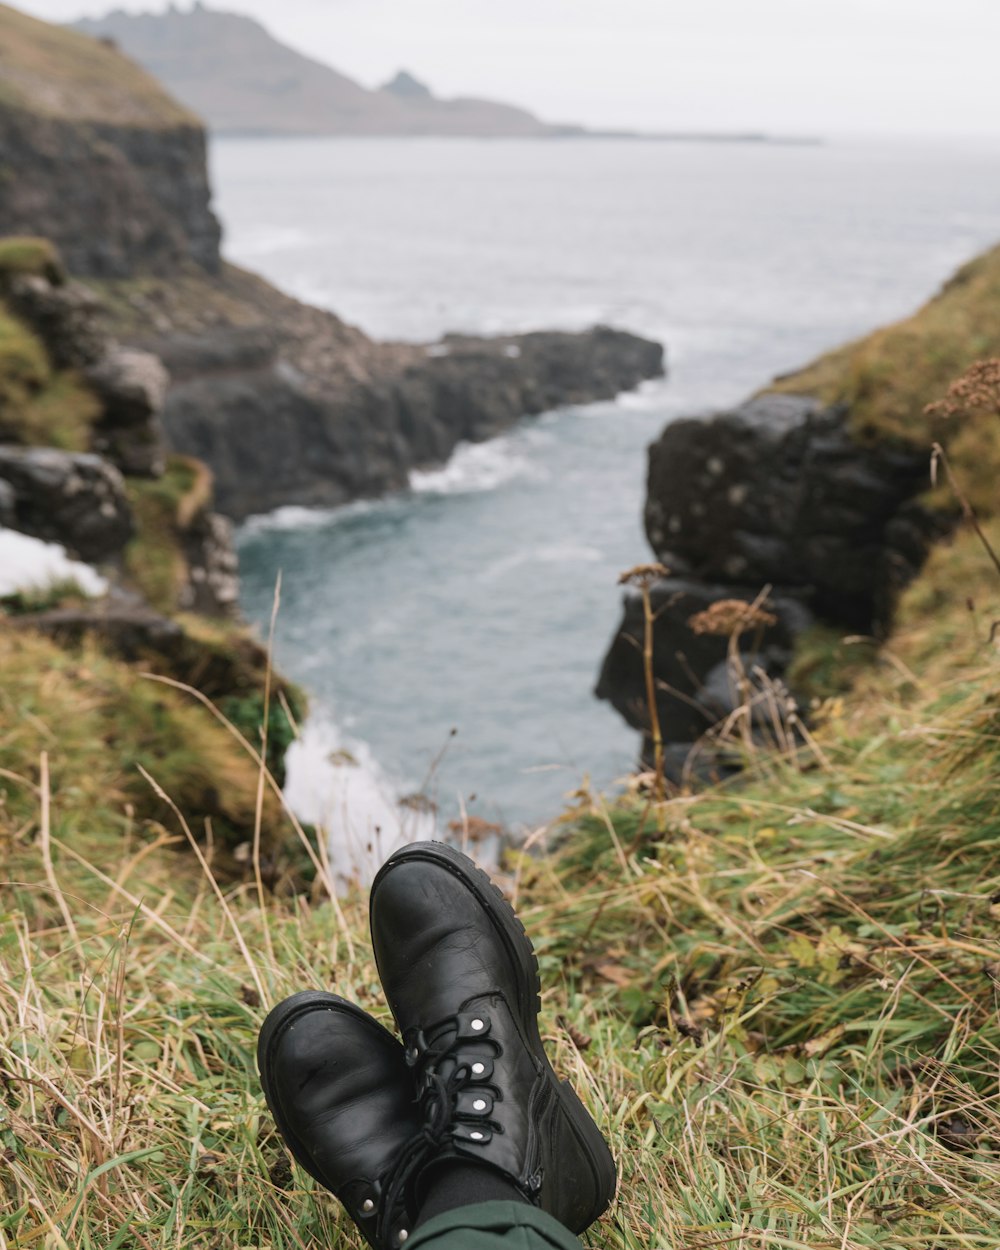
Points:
40	406
887	379
22	256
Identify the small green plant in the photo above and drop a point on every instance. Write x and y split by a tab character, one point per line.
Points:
42	598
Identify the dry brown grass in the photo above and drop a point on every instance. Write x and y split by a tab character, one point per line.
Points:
61	73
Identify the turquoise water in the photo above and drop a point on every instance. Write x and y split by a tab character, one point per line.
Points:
482	599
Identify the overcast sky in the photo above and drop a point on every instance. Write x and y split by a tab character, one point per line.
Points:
803	66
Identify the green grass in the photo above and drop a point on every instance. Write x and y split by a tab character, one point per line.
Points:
782	1008
24	255
887	378
163	508
40	406
56	72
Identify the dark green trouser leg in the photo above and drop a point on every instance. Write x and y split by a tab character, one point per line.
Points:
493	1226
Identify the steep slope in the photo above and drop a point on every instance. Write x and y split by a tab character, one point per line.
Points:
97	157
241	80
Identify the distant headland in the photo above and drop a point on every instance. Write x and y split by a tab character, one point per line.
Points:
232	72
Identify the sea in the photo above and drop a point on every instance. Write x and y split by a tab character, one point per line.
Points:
450	636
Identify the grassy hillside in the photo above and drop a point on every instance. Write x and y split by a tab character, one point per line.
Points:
782	1009
890	376
61	73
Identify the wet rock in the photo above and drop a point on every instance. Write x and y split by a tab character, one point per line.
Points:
693	684
76	499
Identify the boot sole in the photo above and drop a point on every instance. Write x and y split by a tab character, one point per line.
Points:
523	956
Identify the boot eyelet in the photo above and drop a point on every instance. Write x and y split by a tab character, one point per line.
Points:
478	1069
476	1136
402	1235
479	1104
368	1206
477	1026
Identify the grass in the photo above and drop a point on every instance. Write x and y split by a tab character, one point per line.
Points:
887	378
782	1008
56	72
40	406
164	509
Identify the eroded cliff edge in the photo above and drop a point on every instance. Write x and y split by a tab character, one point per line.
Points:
817	491
288	404
285	403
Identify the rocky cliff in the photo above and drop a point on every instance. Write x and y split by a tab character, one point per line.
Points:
97	157
289	405
819	489
83	465
285	403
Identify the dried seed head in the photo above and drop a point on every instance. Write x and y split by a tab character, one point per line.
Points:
643	575
726	617
975	393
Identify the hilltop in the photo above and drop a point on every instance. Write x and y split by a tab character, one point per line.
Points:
59	73
232	72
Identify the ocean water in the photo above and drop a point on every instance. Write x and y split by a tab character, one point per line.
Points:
450	636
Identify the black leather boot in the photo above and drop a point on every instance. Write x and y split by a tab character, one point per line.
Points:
341	1094
462	980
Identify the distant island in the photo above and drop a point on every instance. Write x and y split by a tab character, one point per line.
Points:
240	80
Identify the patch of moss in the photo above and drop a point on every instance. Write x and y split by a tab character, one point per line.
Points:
40	406
21	255
887	379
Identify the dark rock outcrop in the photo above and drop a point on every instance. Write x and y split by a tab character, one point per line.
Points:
775	493
65	315
76	499
132	387
694	687
277	425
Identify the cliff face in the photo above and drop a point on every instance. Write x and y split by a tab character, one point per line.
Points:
287	404
96	157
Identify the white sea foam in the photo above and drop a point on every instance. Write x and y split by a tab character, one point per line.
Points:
27	563
336	784
295	517
476	467
647	396
555	553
